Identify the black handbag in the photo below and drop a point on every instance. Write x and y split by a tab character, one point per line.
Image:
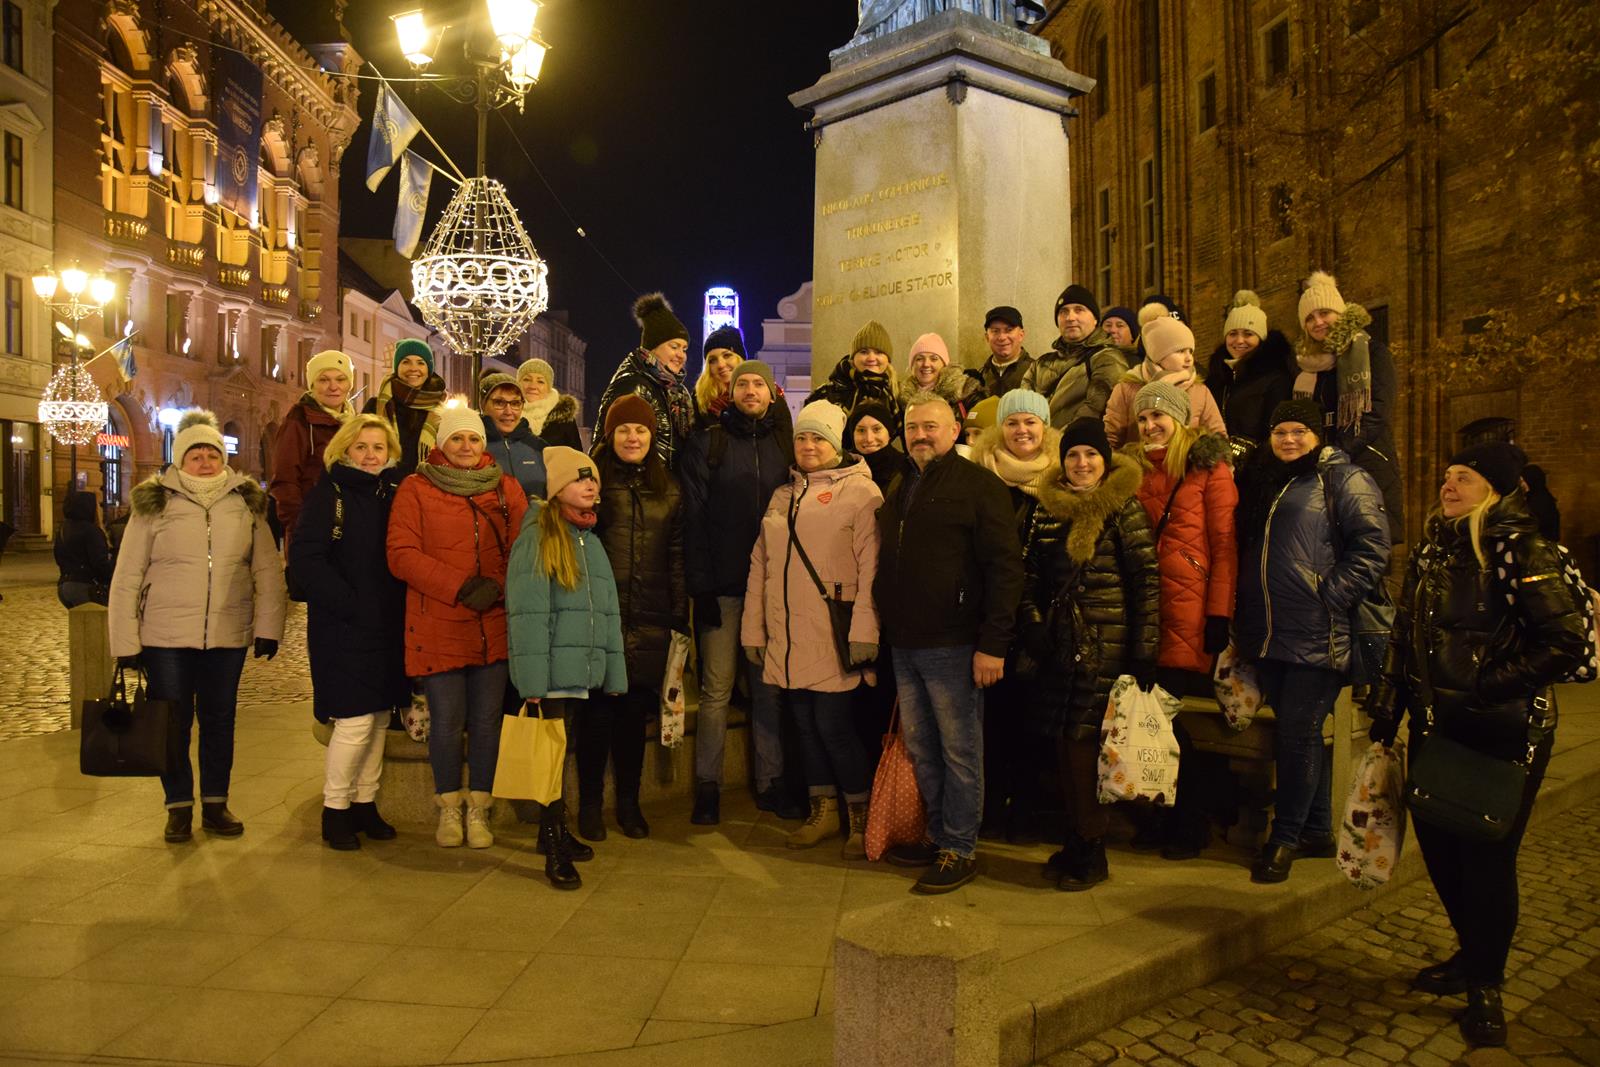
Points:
1371	617
123	738
840	611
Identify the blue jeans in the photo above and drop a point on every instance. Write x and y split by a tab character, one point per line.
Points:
1302	699
941	718
203	684
833	755
720	661
465	699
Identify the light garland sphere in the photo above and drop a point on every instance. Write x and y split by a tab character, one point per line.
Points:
71	408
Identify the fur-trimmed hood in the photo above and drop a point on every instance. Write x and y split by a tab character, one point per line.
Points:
150	495
954	384
1208	451
1087	512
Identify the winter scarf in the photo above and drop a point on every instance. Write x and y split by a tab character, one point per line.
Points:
342	412
582	520
539	410
1019	473
1347	353
205	490
680	402
458	482
718	405
1268	476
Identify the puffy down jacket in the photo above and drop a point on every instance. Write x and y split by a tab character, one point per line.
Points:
641	527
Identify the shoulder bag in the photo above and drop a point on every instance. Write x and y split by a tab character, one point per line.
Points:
840	611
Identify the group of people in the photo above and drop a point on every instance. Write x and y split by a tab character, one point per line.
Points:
1115	508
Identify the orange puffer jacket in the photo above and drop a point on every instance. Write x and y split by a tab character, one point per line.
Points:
1196	550
438	540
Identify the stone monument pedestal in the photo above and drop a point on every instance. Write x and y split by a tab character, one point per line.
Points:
942	185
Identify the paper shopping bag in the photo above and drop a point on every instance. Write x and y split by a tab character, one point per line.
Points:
1374	826
1138	750
672	691
894	814
533	757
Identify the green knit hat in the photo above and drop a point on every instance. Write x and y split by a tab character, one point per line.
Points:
874	336
412	346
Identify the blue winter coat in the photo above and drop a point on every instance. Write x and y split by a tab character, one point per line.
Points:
563	639
519	453
1295	589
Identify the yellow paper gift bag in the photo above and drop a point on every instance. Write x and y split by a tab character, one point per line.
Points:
533	757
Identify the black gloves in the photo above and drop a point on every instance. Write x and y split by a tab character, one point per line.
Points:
479	593
1216	634
266	646
1144	672
707	612
1035	638
129	663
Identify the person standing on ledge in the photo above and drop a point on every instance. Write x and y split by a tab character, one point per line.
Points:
551	416
1008	360
1082	366
306	431
654	371
867	373
409	399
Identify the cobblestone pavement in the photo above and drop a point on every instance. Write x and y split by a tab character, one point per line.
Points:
34	666
1342	995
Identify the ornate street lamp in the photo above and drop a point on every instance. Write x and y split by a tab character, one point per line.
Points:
479	281
72	409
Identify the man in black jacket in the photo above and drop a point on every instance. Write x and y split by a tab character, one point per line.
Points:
729	471
949	578
1008	361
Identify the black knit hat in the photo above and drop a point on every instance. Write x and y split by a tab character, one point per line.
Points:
1303	410
1127	315
870	409
1086	431
1500	463
729	337
657	323
1077	294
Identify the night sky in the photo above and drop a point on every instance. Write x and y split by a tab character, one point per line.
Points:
664	127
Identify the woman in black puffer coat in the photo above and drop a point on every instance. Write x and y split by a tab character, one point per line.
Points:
1250	373
641	527
1090	611
82	554
355	618
1485	626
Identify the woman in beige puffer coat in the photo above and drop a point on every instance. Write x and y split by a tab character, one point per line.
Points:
829	508
198	579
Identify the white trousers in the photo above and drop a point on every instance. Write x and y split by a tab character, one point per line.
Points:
355	760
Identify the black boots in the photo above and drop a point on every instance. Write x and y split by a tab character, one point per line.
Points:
339	830
707	804
365	819
591	822
1083	864
215	818
1442	979
180	824
1483	1023
631	819
553	842
1273	864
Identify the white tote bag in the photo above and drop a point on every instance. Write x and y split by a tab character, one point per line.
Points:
1138	750
672	691
1374	826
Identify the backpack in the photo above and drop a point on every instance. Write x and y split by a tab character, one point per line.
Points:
1587	600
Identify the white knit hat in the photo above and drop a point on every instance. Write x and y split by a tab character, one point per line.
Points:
455	417
196	428
1322	292
331	359
825	419
1246	314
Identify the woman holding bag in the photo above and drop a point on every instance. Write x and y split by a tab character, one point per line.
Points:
1485	626
566	624
641	529
819	543
1089	613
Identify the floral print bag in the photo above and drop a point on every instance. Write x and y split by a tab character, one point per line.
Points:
1138	750
1374	825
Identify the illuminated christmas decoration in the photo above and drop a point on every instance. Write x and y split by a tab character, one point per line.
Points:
72	408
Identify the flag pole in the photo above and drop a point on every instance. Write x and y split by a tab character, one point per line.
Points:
457	177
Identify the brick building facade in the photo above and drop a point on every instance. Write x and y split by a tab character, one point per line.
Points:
1432	155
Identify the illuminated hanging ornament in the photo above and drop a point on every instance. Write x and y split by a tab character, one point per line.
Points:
72	409
479	281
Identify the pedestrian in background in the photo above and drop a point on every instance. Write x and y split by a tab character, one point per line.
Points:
198	581
306	430
355	621
1541	502
1314	541
552	416
566	626
654	371
408	400
82	554
820	527
1483	630
450	532
641	528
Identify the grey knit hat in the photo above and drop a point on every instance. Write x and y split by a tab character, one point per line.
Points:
1165	398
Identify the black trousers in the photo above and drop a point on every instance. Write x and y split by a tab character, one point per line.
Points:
1477	883
612	727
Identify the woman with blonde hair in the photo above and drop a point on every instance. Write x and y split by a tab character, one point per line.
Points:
355	620
713	391
1485	626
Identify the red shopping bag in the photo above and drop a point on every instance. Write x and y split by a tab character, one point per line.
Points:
895	815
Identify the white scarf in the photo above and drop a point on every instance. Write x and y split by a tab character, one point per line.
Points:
206	490
1311	365
539	410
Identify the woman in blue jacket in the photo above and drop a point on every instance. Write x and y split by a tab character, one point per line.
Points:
565	625
1314	540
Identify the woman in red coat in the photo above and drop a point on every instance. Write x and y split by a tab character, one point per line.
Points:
450	534
1189	494
297	460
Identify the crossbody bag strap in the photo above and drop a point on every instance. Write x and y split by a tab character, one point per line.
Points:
794	539
1166	513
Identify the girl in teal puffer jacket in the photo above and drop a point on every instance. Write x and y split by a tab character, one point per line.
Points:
564	622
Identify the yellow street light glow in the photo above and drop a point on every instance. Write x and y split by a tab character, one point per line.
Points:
415	38
523	65
73	280
512	21
44	285
102	289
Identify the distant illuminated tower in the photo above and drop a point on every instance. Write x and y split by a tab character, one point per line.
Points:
722	309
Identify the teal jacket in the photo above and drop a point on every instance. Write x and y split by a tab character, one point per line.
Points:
563	638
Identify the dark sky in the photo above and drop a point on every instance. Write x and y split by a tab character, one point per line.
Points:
664	128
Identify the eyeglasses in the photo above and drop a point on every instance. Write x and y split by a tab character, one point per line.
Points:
505	403
1290	435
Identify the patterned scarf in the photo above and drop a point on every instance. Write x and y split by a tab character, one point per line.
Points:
680	402
1347	352
459	482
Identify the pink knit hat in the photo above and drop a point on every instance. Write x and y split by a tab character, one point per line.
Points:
931	342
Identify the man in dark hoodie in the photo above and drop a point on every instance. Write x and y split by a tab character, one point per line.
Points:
729	471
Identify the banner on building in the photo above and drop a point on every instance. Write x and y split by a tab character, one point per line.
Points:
416	178
393	127
237	113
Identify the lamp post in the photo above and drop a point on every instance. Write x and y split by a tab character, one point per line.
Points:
479	281
72	409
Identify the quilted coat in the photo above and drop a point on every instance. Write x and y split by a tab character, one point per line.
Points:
1196	549
673	404
297	463
1295	588
564	639
438	540
1486	643
189	576
641	527
1077	376
1090	574
835	516
519	453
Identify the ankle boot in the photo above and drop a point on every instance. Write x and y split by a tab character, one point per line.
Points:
707	804
450	833
576	850
1086	868
631	819
822	823
557	863
478	833
591	822
180	824
338	829
215	818
855	846
364	814
1483	1023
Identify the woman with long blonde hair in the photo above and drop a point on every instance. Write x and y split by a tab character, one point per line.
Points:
713	391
